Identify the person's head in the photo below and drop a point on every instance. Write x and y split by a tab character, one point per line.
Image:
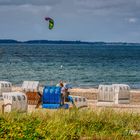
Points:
61	85
60	81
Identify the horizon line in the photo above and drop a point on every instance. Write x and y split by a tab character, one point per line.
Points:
65	41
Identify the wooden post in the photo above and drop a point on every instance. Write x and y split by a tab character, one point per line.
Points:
3	106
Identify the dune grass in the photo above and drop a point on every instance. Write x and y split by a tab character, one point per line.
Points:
105	124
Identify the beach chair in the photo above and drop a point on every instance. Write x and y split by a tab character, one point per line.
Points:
115	94
51	98
32	86
79	101
105	93
14	101
5	87
31	89
122	93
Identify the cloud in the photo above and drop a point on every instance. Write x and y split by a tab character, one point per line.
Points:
109	7
98	4
23	10
74	19
132	20
32	2
128	8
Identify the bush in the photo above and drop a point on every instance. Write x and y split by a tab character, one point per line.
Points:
70	125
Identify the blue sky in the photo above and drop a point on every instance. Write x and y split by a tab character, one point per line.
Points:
85	20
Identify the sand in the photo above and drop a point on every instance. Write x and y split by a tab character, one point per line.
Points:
91	93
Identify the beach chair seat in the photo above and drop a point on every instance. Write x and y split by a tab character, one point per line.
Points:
33	98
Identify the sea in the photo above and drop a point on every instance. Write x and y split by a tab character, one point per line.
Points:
82	65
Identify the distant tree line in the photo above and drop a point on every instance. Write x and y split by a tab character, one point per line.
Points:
11	41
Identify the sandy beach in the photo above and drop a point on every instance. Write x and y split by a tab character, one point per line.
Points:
91	93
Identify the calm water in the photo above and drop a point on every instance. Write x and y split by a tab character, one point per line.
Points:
82	65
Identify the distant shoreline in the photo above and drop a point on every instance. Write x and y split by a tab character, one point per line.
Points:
11	41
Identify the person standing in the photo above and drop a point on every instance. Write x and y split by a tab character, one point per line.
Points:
62	93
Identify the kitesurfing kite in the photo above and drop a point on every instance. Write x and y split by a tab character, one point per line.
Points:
51	22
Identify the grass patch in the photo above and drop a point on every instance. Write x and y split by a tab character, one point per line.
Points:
70	125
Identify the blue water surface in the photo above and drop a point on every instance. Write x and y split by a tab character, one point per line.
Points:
82	65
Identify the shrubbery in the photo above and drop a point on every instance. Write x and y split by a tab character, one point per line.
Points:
73	124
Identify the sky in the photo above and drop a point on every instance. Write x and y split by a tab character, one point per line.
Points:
84	20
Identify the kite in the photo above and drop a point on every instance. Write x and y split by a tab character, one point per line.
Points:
51	22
